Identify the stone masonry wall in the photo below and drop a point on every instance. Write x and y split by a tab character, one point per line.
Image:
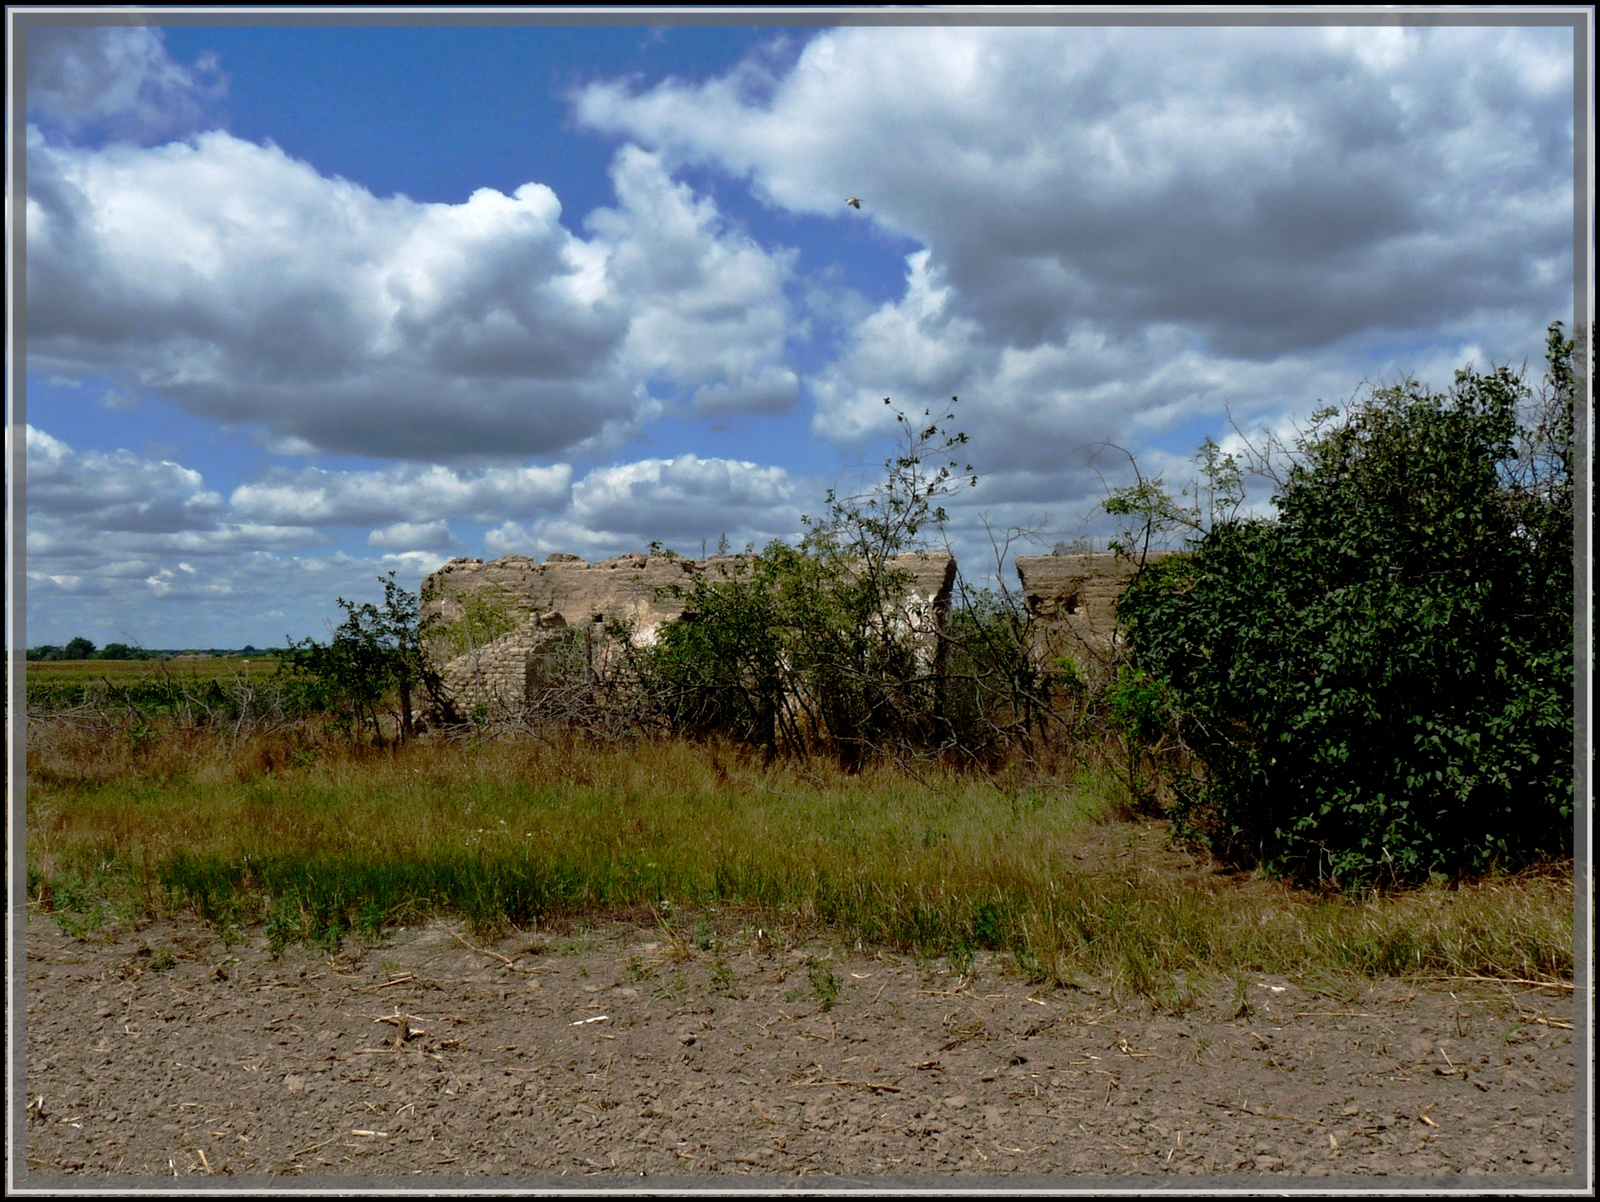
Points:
1073	601
498	672
565	593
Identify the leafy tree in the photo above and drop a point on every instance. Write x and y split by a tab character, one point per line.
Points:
373	651
78	648
1153	517
1377	683
811	647
722	668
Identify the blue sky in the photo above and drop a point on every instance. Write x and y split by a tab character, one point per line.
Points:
308	305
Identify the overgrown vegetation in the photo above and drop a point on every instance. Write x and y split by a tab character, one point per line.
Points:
1370	688
825	648
518	833
1376	684
375	652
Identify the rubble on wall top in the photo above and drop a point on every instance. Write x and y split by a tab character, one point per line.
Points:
628	585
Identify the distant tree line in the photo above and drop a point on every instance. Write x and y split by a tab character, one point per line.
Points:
81	648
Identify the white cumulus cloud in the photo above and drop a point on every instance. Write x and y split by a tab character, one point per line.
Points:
407	493
117	491
245	286
677	502
1126	233
412	536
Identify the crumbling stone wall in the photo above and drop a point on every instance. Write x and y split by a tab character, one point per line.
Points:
583	594
508	667
923	614
1073	602
565	595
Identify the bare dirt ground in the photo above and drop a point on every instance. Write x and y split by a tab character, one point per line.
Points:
626	1051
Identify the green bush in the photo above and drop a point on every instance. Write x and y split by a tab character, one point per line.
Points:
1377	684
817	648
374	653
810	648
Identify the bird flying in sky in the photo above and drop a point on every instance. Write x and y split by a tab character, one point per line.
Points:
853	201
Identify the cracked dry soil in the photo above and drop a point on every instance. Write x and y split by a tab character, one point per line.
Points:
619	1051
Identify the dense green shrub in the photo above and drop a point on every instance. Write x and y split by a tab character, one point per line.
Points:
801	649
729	666
1377	683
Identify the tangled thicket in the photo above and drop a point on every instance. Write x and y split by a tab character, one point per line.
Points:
1373	685
1377	683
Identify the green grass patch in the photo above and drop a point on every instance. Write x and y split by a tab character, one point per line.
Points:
514	835
190	690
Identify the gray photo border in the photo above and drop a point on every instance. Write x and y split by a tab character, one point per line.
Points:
20	19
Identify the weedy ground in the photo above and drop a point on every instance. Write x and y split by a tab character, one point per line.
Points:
130	821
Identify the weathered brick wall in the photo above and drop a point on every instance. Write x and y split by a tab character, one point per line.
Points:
584	594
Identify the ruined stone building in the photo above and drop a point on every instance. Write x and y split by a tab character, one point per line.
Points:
1073	602
1071	598
565	595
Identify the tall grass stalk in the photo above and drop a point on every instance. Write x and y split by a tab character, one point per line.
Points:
317	840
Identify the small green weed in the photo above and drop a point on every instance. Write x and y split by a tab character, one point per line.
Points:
670	991
371	921
824	984
77	903
722	983
1175	996
1028	965
283	926
329	936
1242	1006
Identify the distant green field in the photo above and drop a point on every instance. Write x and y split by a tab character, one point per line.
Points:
211	685
202	670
